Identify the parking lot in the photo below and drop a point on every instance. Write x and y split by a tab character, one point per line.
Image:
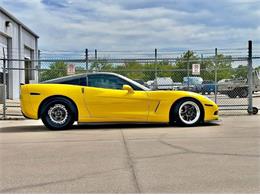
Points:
219	157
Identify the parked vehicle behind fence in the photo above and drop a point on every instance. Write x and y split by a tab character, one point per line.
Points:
207	86
239	86
162	83
190	83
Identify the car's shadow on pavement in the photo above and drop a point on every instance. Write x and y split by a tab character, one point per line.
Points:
24	128
95	126
109	126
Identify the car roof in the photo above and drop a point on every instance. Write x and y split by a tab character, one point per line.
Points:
66	78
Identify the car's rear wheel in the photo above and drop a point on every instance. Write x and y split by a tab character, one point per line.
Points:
58	114
187	112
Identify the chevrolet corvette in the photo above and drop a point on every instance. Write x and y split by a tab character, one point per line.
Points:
109	97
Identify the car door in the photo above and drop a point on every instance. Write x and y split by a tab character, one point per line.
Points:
106	99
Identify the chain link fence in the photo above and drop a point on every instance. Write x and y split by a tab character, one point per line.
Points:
232	81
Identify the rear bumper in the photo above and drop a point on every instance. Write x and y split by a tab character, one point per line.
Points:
26	116
27	110
26	104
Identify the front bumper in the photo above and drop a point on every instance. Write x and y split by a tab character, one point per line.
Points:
211	112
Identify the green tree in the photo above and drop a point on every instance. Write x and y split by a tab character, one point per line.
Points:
257	68
224	67
183	65
207	70
165	69
101	65
133	70
80	69
241	72
56	69
149	71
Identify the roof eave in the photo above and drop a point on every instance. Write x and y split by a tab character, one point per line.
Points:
5	12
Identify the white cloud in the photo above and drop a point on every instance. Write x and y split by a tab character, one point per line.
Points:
110	25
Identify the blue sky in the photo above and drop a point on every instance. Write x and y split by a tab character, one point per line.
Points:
139	24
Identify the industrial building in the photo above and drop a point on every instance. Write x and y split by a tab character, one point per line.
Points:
17	42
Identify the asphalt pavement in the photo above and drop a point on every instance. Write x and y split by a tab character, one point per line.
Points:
219	157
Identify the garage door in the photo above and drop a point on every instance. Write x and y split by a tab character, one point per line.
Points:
3	44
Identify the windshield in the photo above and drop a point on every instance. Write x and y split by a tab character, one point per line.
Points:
134	82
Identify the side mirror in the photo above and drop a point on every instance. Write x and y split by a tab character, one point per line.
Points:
128	88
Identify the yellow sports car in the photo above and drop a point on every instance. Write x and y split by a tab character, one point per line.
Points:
110	97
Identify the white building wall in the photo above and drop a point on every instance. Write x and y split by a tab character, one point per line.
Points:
18	39
30	45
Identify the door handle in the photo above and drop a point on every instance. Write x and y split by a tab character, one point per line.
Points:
82	90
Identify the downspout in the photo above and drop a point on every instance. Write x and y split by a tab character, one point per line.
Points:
19	52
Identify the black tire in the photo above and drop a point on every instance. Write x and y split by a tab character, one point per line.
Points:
243	93
58	113
177	118
254	111
232	94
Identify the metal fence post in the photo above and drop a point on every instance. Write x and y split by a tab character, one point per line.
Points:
96	67
96	54
155	60
156	67
4	83
202	74
39	66
250	79
86	56
216	75
188	69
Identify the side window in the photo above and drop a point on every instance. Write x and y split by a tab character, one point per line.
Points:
108	82
83	81
105	81
78	81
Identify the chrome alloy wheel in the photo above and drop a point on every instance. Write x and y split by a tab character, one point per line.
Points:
189	112
58	114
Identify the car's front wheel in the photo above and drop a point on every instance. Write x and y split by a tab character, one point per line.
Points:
58	114
187	112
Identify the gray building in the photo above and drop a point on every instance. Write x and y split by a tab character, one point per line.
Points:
19	42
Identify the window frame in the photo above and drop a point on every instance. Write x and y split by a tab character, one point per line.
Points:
79	83
135	87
